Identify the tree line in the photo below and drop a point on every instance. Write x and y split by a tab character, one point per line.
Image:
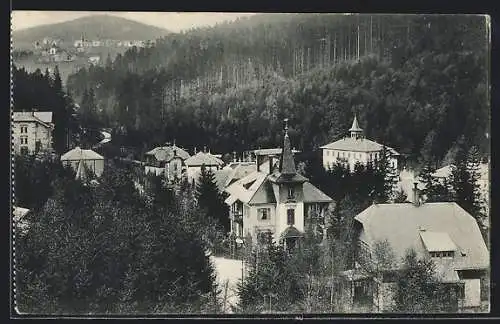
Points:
103	248
37	91
425	90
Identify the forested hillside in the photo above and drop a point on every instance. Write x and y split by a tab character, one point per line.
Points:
94	27
417	83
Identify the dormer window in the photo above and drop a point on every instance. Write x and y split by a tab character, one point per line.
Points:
291	193
438	244
442	254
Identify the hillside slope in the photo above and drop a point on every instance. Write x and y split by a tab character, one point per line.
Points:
92	27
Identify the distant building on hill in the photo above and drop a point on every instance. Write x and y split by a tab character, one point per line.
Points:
354	149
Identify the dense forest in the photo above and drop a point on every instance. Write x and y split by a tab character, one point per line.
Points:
44	92
417	83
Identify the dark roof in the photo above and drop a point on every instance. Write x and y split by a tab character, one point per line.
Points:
290	232
287	164
278	177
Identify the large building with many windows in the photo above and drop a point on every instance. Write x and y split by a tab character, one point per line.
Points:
32	131
355	149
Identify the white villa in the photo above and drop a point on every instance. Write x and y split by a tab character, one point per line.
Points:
355	148
274	199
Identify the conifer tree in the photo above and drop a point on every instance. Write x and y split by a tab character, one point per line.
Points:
210	200
418	289
464	182
385	177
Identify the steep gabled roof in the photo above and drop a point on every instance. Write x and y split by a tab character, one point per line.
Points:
237	190
402	224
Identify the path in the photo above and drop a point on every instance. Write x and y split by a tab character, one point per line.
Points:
228	270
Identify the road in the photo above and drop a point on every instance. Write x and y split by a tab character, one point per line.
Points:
228	270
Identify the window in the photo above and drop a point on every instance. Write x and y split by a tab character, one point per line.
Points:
24	129
38	146
264	213
24	150
349	154
291	193
442	254
290	213
24	140
327	153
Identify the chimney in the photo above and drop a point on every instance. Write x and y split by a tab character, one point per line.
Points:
416	197
174	141
270	164
204	149
195	150
234	156
257	162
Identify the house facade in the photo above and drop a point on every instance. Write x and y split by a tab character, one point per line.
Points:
355	149
199	160
442	232
274	200
32	131
168	160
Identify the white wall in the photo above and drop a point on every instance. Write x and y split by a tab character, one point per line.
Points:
97	166
472	293
281	215
36	132
330	158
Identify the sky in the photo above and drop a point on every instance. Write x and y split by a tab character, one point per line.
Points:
172	21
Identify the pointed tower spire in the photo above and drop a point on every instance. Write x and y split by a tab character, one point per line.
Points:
355	130
287	164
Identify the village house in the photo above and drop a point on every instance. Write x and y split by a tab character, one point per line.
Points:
84	162
274	200
199	160
354	149
168	160
32	131
442	232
